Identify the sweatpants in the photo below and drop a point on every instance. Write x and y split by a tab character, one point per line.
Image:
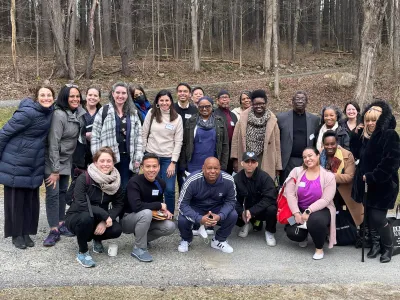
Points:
317	227
55	201
145	229
185	225
268	215
83	226
21	211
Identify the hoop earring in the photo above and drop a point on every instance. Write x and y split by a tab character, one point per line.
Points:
157	106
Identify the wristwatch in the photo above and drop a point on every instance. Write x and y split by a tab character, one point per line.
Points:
307	211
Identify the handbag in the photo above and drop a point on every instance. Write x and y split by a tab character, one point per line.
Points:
158	214
346	230
284	212
395	222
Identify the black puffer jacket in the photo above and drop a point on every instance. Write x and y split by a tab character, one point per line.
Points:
379	161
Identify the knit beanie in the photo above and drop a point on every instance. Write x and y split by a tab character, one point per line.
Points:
206	98
223	92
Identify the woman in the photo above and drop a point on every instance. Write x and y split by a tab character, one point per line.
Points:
119	129
204	135
98	221
163	135
22	151
197	93
66	127
341	163
140	100
83	156
257	131
330	119
310	199
245	103
378	148
353	117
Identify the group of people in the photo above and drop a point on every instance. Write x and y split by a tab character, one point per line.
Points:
124	158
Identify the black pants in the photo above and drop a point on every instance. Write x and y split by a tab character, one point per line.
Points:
376	219
317	227
83	226
268	215
21	211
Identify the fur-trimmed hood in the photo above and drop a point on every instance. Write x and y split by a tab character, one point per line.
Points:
386	120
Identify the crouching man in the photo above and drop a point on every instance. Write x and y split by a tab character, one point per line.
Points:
256	199
208	198
144	195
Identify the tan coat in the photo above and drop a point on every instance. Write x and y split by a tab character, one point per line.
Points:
345	183
271	160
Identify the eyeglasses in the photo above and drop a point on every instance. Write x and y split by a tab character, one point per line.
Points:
201	107
71	85
259	104
224	97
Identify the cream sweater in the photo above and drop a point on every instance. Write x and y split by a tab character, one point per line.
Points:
165	138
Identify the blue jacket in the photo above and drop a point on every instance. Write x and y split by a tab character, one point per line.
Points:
22	145
142	113
197	192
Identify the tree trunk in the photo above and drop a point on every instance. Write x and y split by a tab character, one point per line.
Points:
295	30
396	51
356	27
317	26
37	28
92	48
374	11
14	41
45	30
106	6
71	39
241	35
195	48
268	34
124	12
275	28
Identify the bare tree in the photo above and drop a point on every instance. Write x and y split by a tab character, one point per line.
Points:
124	31
92	48
295	30
275	33
37	27
195	47
396	50
317	26
268	34
106	6
14	40
70	32
374	11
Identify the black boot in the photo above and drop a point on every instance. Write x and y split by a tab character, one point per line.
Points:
28	241
19	242
387	243
359	240
376	244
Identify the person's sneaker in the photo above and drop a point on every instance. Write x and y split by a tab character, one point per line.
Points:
210	230
270	238
142	254
257	226
195	232
85	260
203	232
98	247
318	256
223	246
28	241
244	231
64	231
19	242
304	243
52	238
183	246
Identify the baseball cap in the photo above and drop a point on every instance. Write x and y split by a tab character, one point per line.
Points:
249	155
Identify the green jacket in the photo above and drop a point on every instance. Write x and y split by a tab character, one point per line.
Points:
222	146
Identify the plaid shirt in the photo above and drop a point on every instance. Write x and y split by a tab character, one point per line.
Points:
105	135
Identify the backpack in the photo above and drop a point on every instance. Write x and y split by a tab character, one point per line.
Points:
104	113
69	195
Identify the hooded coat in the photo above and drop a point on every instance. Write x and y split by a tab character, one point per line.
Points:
379	161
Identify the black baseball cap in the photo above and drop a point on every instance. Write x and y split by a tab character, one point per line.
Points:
249	155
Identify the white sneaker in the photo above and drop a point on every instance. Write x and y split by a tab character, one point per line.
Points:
318	256
270	238
210	230
202	232
244	231
195	232
223	246
304	243
183	246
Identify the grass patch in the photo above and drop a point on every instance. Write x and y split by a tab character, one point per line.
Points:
5	114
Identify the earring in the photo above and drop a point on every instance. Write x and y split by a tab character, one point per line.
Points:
157	106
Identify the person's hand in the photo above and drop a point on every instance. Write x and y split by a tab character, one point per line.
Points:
215	218
246	216
235	165
169	215
163	206
359	126
109	222
298	218
171	170
364	178
305	217
100	228
89	136
205	220
52	180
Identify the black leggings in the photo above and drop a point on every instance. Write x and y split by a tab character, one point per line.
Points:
268	215
83	226
377	220
317	227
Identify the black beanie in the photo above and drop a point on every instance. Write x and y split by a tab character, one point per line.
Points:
223	92
258	94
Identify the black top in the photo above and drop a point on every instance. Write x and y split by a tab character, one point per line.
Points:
299	134
185	113
121	135
143	194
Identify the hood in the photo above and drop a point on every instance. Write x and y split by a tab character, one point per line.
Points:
386	120
29	103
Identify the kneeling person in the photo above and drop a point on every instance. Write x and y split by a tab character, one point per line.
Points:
144	195
256	198
208	197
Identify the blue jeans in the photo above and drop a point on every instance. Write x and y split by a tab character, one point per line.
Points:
55	200
169	192
123	169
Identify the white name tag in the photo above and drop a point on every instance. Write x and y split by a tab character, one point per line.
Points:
232	124
187	116
312	136
155	192
302	184
169	126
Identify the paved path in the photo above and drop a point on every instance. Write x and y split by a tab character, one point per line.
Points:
251	263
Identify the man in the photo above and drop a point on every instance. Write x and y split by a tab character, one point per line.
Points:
297	128
186	110
144	195
223	110
256	199
208	198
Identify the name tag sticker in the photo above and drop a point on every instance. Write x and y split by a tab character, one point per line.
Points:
187	116
312	136
155	192
169	126
302	184
232	124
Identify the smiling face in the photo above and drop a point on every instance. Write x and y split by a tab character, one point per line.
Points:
74	98
245	101
164	102
120	95
150	168
211	169
259	106
310	159
196	95
205	108
330	145
183	94
92	97
104	163
330	117
45	97
351	112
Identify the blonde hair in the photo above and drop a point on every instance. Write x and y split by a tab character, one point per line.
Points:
372	114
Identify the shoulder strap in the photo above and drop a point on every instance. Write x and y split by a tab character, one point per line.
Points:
151	122
87	197
104	113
